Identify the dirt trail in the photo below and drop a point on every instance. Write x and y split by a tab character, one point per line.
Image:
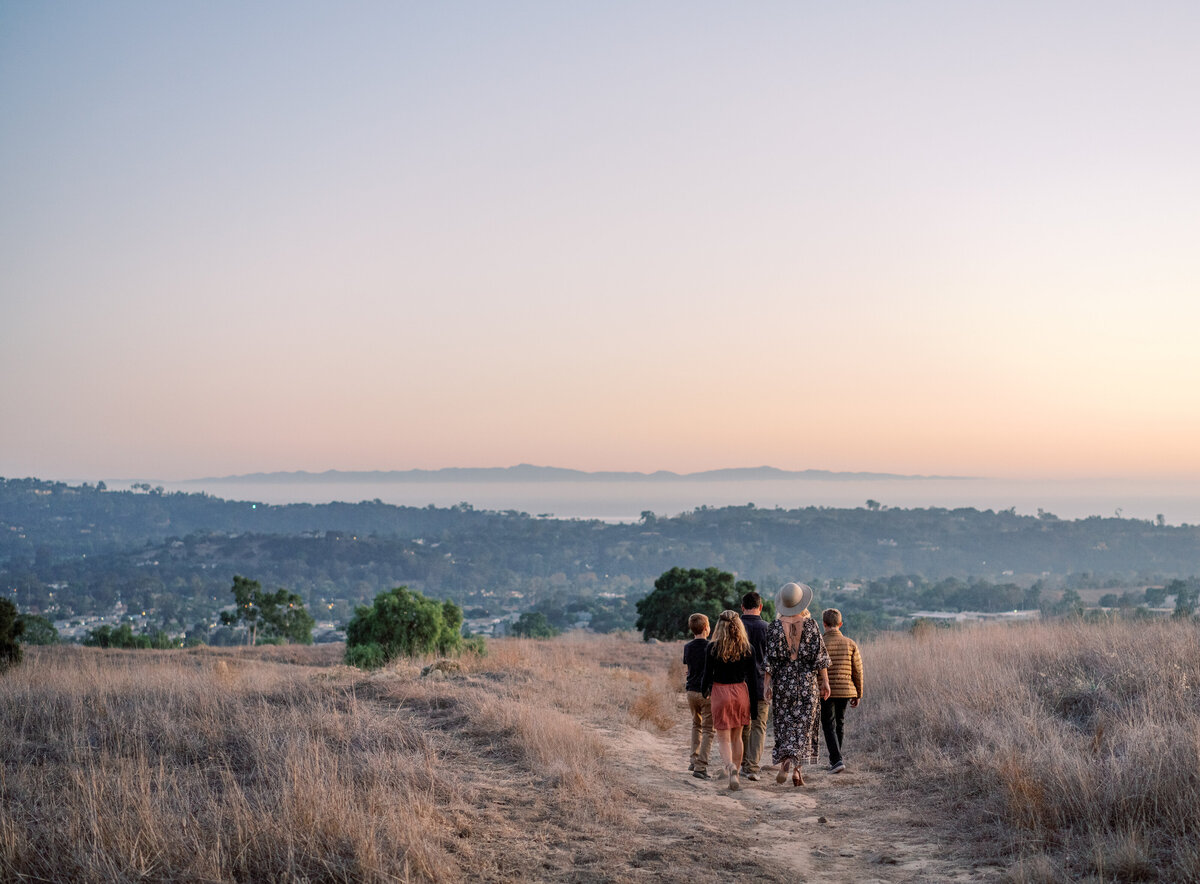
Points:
652	821
841	827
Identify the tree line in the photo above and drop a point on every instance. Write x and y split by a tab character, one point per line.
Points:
78	550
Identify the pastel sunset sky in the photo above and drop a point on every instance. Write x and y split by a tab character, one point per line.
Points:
911	237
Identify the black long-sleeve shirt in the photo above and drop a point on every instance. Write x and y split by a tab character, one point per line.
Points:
756	632
736	671
693	656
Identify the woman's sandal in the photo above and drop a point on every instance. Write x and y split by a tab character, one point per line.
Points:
797	777
734	783
781	777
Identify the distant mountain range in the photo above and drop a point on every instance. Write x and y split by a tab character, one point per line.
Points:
529	473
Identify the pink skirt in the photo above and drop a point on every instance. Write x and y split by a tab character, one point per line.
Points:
730	706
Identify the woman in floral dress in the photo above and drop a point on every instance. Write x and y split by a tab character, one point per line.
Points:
797	668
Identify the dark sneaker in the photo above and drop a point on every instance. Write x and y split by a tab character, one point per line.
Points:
692	766
837	768
752	777
701	774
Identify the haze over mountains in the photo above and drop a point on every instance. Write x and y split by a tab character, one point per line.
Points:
532	473
623	495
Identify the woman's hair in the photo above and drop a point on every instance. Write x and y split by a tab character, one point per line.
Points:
729	641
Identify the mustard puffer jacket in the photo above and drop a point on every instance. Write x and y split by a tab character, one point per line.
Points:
845	665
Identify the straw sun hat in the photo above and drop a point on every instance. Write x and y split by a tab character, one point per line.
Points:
792	598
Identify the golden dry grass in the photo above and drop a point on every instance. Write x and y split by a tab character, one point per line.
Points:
1061	751
141	765
229	765
1073	747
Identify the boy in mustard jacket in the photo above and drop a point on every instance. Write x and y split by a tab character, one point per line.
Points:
845	685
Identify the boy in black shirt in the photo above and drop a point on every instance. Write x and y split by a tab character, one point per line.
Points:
702	724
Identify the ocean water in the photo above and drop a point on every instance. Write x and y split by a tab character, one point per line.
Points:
1178	501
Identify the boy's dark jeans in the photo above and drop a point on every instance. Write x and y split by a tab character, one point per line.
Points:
833	716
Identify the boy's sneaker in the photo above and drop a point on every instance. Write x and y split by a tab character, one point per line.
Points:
692	766
701	775
837	768
753	777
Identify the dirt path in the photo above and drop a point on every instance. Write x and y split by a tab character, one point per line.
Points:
647	819
842	827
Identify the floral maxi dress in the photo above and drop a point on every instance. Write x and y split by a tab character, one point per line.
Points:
795	699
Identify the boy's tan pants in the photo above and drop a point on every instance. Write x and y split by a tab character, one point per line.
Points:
754	736
702	729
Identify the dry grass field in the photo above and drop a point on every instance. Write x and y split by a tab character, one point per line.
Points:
1069	751
1033	753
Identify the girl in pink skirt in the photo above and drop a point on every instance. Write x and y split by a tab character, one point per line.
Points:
730	683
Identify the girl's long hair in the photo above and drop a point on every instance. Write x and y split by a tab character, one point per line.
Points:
729	641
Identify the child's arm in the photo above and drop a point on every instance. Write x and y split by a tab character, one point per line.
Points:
856	673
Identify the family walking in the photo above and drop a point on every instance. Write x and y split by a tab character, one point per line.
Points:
786	669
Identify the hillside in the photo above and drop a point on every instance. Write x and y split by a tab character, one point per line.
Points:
77	550
553	761
1035	753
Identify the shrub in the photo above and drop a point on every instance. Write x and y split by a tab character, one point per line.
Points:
37	630
402	622
533	624
475	644
368	656
124	637
10	629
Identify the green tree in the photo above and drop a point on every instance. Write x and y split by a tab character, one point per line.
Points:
679	593
11	628
1185	593
1070	604
122	637
100	637
533	624
160	640
1155	596
402	623
245	611
271	616
1129	599
38	630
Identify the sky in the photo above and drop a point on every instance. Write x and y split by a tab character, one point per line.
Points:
921	237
